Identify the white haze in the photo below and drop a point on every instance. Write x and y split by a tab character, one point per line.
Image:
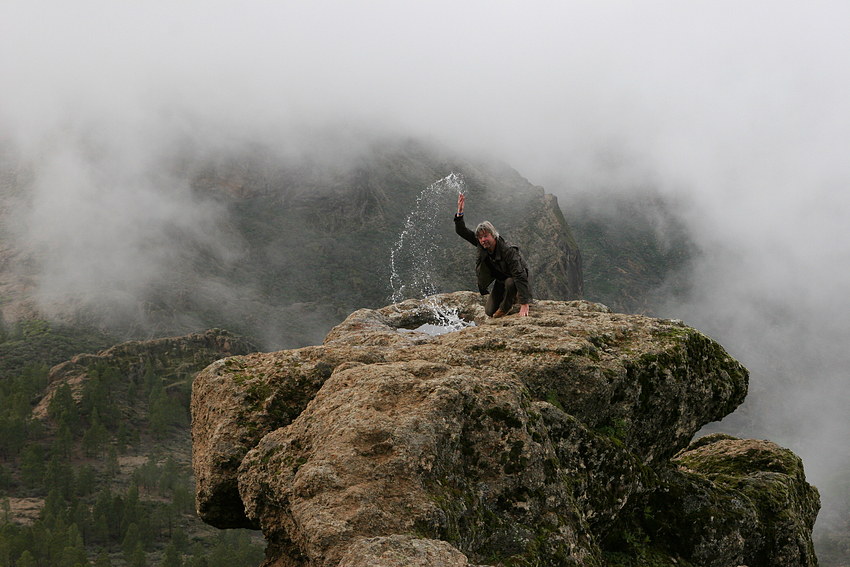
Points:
739	110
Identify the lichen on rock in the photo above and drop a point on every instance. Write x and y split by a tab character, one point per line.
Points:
541	440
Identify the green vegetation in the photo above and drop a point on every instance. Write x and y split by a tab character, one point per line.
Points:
97	512
636	549
630	546
35	341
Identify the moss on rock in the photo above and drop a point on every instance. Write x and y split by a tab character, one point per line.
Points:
555	439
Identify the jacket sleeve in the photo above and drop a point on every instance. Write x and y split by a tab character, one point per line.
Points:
465	233
519	273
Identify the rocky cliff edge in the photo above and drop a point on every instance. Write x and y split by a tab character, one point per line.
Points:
563	438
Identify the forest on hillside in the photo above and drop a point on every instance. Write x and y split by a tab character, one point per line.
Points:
102	482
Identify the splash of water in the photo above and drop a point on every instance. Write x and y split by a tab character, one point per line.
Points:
447	319
412	258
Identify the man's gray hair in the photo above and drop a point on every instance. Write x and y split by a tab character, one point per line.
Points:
487	227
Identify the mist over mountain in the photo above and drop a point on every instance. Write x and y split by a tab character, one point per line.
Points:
275	245
735	115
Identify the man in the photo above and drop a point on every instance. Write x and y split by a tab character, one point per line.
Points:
497	261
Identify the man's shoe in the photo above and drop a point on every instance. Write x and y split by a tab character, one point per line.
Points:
498	313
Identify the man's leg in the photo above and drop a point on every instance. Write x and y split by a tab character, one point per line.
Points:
509	296
494	299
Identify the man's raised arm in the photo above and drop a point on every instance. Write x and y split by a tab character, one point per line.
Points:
460	226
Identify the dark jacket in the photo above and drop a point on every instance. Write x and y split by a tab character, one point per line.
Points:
504	262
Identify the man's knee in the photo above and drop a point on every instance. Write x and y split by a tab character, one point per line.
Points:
494	299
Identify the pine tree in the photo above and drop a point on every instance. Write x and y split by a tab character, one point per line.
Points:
103	559
101	530
12	437
139	558
96	437
61	402
130	543
85	480
171	557
32	465
180	540
199	561
59	475
122	438
74	553
63	442
113	467
26	560
133	510
183	499
6	480
150	378
83	520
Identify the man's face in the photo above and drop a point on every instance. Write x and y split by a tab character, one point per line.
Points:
487	240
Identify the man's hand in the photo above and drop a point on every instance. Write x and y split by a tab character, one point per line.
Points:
523	310
460	200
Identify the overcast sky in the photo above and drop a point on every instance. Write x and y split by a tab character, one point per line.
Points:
742	108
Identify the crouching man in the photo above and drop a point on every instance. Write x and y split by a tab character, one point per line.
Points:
497	261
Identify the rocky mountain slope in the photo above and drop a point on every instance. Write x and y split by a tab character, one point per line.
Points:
558	439
636	251
302	236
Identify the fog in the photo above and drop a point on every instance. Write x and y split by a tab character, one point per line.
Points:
737	110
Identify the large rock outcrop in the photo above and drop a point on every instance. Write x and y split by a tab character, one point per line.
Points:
557	439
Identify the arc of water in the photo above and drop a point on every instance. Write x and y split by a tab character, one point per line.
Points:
417	245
